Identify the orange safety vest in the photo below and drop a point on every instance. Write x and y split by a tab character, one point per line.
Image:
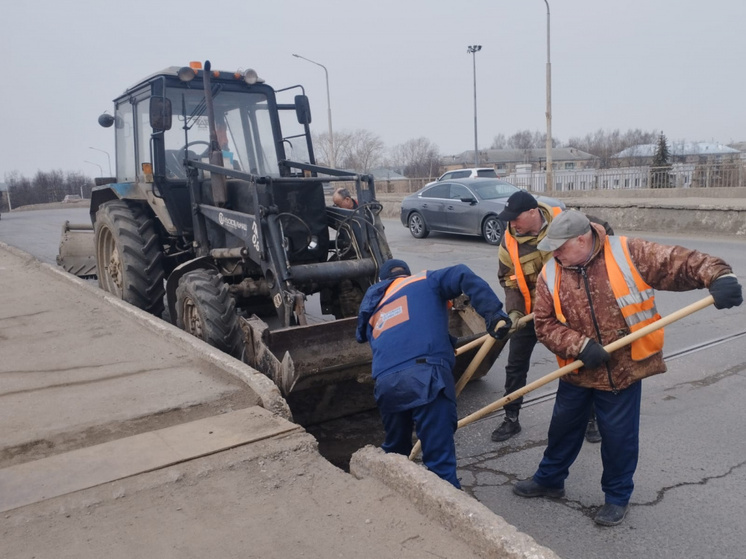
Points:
393	289
398	284
512	245
636	299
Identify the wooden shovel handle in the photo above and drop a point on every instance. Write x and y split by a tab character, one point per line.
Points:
613	346
479	341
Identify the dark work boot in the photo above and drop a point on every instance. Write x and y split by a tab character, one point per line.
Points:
508	428
610	515
529	488
591	432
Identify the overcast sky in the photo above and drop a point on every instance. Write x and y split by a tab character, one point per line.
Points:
398	68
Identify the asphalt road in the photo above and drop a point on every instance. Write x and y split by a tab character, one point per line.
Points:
688	500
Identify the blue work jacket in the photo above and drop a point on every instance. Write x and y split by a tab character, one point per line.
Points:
405	320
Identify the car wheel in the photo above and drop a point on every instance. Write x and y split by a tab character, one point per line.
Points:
417	226
492	230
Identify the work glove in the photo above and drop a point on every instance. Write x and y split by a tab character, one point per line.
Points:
593	355
511	325
726	291
501	332
515	316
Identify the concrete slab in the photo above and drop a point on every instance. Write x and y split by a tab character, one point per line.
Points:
80	367
36	481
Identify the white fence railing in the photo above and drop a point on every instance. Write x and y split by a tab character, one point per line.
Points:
678	175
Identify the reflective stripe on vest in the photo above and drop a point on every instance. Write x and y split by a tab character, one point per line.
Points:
512	245
400	283
635	298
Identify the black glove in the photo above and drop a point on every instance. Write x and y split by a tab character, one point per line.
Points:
726	291
501	332
593	355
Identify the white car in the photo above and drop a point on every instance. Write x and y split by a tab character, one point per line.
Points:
469	173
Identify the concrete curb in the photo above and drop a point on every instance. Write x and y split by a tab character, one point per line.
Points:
268	394
464	517
709	219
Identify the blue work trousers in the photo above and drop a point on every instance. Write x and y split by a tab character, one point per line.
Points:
435	424
618	417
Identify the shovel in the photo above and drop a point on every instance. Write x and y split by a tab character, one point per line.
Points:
486	342
613	346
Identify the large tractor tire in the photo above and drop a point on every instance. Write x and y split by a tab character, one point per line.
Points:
206	309
129	255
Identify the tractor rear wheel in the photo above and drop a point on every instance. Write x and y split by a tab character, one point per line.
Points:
129	255
206	309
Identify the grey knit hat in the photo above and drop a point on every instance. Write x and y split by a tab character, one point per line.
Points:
567	225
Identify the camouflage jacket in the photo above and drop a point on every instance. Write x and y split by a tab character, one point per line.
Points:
670	268
532	260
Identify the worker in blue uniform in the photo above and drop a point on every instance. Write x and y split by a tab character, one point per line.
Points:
404	317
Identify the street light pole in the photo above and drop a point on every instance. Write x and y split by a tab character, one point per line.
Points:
473	50
333	157
100	168
550	173
107	157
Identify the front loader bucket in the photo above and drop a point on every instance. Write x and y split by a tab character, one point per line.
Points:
76	254
320	368
324	373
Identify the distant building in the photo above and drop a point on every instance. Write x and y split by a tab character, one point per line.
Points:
509	161
679	152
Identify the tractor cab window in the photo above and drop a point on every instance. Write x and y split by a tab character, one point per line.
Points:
294	138
243	127
125	142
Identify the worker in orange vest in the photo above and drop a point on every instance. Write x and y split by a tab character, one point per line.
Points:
595	290
520	262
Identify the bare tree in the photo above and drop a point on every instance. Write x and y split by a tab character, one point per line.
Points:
45	187
323	147
416	158
522	139
362	151
605	144
499	142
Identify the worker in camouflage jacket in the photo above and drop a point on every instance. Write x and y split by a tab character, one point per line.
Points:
595	290
520	262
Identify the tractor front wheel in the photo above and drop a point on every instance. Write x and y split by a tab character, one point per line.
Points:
206	309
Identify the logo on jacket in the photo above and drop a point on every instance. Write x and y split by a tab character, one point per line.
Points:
390	315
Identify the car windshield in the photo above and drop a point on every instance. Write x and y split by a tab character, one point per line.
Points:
491	191
243	126
487	173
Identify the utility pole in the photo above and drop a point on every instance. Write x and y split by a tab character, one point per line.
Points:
332	155
550	173
473	50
